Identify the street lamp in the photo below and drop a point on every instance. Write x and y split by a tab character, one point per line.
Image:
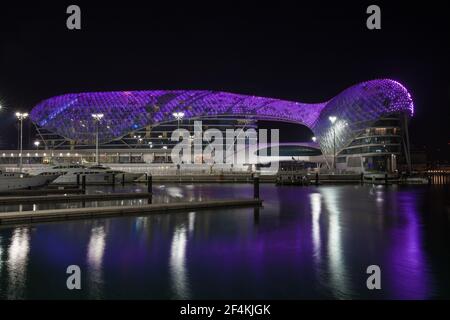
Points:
21	116
314	139
333	120
179	116
36	144
97	118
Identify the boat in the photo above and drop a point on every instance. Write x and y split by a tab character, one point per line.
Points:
73	173
120	176
414	180
379	178
20	180
292	178
384	178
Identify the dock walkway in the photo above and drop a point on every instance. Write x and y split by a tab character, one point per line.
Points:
98	212
74	197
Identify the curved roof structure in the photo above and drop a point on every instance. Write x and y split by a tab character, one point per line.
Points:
69	115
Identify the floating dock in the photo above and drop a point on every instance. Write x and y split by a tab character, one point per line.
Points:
99	212
205	178
36	192
74	197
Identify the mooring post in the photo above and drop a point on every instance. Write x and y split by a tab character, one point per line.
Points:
123	179
255	186
83	183
256	215
149	188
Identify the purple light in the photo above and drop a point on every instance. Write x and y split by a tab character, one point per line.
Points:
69	115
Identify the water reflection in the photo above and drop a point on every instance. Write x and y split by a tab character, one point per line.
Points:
191	221
316	207
95	253
336	267
161	194
306	242
175	192
177	263
17	262
1	259
410	275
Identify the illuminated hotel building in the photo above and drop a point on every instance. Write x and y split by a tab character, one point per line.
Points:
363	128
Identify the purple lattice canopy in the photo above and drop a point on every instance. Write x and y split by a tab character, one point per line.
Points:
70	115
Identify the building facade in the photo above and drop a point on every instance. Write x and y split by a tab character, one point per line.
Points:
364	128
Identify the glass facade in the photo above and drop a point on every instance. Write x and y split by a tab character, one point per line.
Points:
376	148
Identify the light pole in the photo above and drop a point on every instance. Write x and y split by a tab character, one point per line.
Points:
179	116
333	120
97	118
21	116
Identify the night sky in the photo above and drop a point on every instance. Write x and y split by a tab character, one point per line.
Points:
307	52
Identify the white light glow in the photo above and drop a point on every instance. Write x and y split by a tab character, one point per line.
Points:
178	115
95	253
316	207
177	263
97	116
21	115
17	262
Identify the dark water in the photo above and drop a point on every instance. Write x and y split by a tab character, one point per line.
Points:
307	242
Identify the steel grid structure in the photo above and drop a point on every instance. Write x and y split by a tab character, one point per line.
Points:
69	115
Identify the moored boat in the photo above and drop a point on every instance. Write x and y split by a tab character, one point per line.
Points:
21	180
120	176
73	173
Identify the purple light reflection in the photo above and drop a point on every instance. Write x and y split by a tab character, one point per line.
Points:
408	275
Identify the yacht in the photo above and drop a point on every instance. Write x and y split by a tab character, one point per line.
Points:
21	180
68	174
119	174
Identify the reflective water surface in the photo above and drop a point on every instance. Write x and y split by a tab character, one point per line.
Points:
306	243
